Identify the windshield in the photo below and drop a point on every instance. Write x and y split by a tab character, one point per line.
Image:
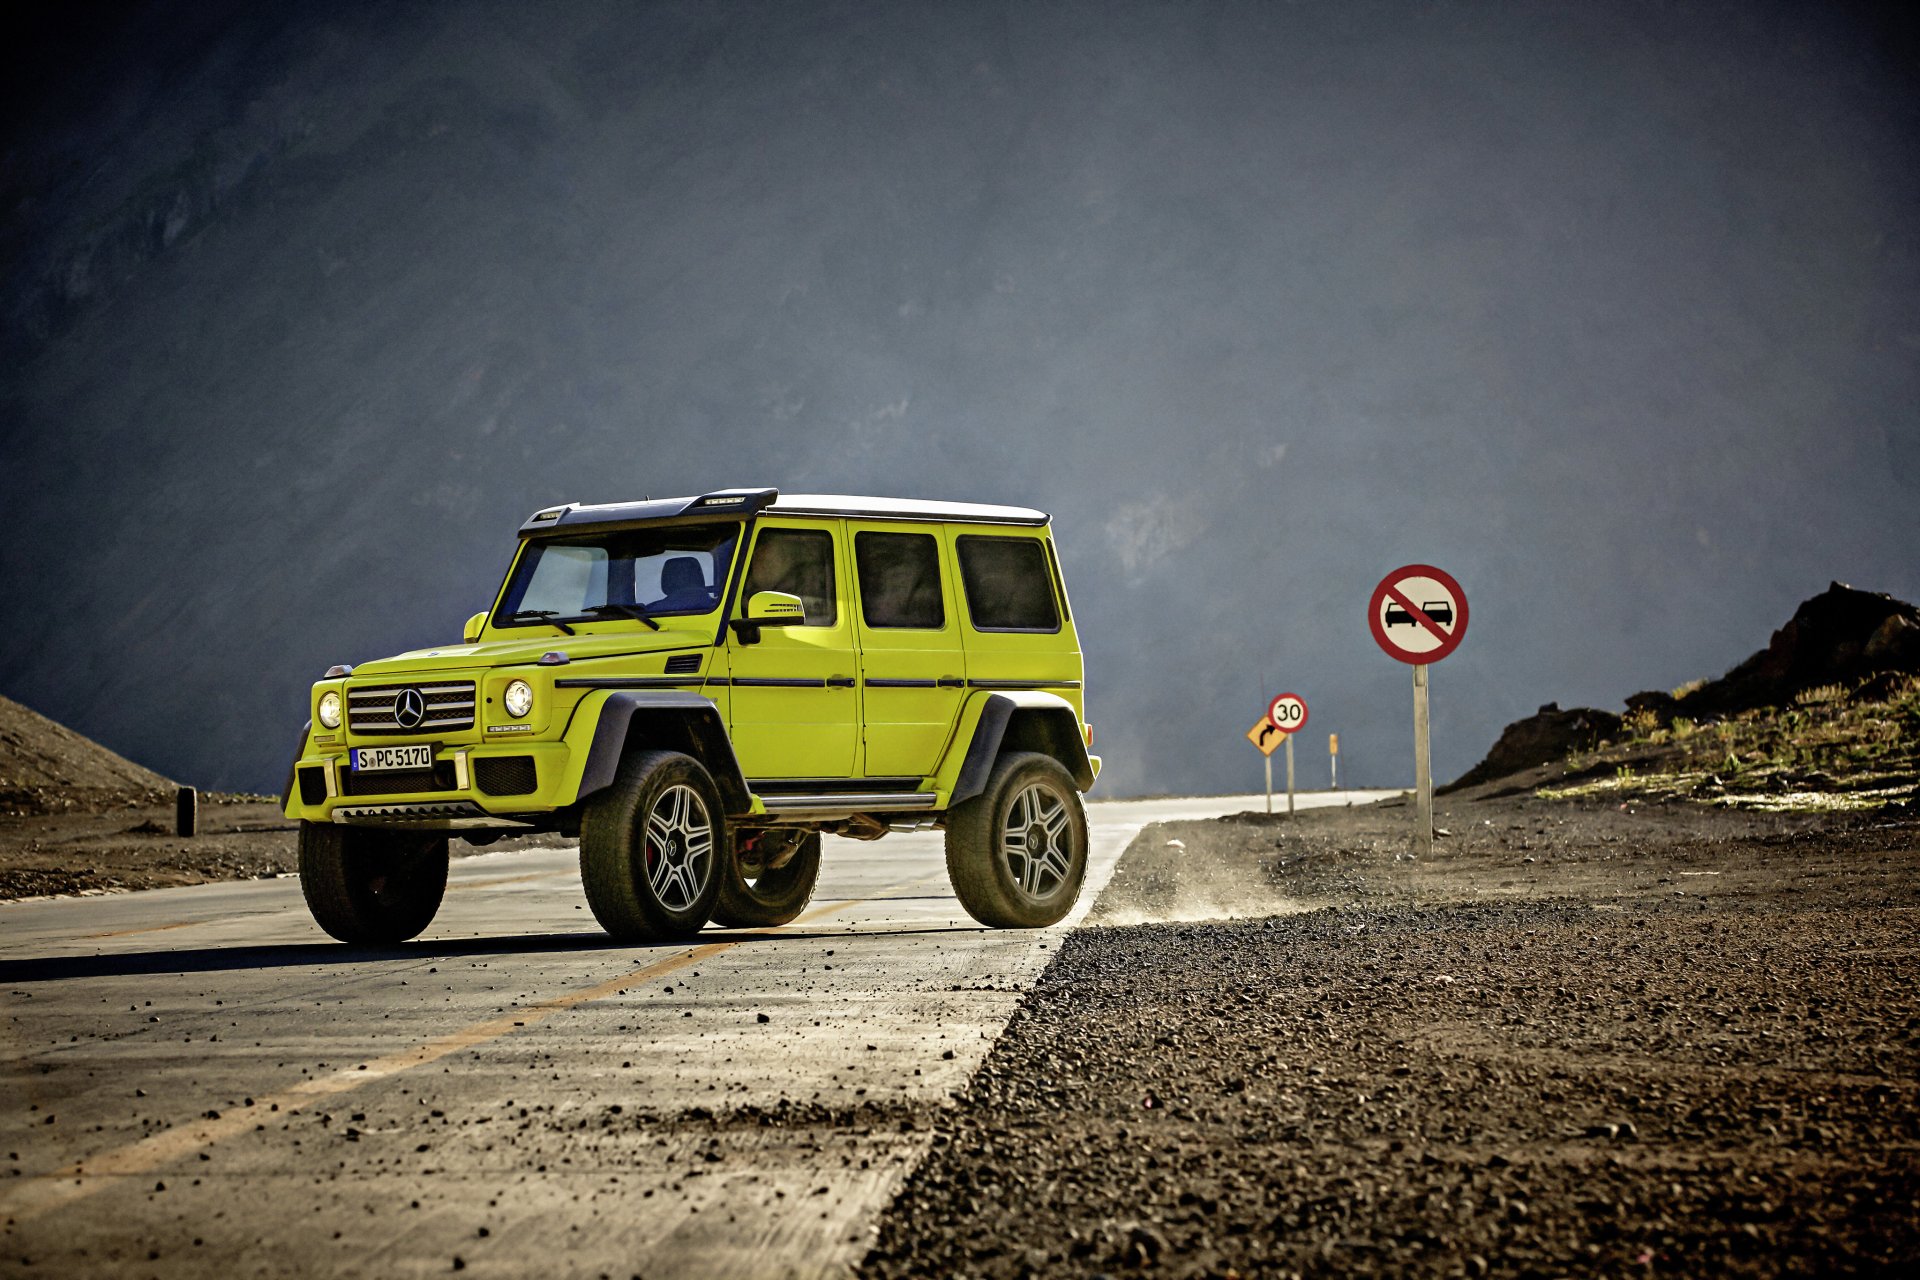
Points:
657	572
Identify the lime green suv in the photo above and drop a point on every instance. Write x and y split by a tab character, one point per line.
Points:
697	688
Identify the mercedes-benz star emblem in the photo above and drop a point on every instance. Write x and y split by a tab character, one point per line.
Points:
409	708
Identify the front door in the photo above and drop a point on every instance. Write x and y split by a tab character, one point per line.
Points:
795	705
912	663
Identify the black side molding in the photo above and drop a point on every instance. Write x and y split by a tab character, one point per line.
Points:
1023	684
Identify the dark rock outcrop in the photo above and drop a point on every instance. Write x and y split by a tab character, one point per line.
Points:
1548	734
1838	637
1841	636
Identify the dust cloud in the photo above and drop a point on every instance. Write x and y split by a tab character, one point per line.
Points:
1157	883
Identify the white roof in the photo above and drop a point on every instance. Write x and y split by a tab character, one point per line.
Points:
903	509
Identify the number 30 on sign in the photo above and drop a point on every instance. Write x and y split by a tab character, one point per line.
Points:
1288	713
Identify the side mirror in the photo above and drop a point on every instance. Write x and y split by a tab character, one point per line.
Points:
776	609
769	609
471	632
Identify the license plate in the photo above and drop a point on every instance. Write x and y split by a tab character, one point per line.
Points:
372	759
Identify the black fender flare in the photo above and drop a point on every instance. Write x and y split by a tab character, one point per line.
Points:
684	722
286	792
1042	722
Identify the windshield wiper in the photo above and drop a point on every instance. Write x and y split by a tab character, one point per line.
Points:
547	616
625	610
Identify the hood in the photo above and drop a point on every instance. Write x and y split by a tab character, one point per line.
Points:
592	642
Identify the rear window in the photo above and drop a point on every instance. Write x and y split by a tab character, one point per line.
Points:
1007	584
900	580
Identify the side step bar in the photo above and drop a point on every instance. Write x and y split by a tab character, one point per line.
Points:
848	803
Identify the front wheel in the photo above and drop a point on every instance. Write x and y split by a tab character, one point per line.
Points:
651	848
1017	852
371	887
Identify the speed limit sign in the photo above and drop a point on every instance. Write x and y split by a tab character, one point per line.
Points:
1288	713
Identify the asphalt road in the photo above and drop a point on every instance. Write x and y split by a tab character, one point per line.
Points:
195	1081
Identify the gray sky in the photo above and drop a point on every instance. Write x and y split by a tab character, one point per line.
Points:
1611	310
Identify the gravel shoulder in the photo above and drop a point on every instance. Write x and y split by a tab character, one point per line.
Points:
117	844
1578	1038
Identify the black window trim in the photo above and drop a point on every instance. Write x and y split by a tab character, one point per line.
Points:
1059	613
1059	584
580	537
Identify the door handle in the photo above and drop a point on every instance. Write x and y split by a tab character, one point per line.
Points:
840	682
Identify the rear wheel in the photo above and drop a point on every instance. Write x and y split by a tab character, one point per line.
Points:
372	887
651	848
770	878
1017	852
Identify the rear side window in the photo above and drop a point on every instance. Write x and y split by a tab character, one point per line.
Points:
900	580
1007	583
800	563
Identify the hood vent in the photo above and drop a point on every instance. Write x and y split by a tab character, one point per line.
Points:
684	664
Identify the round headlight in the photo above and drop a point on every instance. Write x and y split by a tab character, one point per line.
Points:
519	699
330	710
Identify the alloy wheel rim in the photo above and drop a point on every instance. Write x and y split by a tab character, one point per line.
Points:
1037	841
679	844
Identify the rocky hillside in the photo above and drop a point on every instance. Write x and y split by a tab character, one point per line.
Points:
46	767
1829	705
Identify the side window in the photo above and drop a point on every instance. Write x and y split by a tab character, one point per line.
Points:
900	580
1008	585
800	563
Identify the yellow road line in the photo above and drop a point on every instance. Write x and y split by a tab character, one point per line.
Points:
454	886
151	928
38	1194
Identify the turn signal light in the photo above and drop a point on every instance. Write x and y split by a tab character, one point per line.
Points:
1088	730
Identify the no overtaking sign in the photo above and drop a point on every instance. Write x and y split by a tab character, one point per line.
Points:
1418	614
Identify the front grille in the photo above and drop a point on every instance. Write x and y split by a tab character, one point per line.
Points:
313	785
396	782
506	775
449	707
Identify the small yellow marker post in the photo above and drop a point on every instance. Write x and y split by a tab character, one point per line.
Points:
1333	753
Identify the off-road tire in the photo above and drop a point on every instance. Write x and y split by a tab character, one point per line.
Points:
370	887
982	858
646	889
772	898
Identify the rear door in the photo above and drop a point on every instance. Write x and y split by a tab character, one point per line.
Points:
912	661
1018	632
795	703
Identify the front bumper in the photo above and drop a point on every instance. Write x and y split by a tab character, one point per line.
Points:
468	788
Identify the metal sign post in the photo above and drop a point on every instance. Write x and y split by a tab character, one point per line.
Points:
1288	714
1264	736
1418	616
1422	764
1289	775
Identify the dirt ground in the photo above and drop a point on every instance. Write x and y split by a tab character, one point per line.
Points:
1575	1040
132	846
118	843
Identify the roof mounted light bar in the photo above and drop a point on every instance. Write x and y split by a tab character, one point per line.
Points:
721	504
